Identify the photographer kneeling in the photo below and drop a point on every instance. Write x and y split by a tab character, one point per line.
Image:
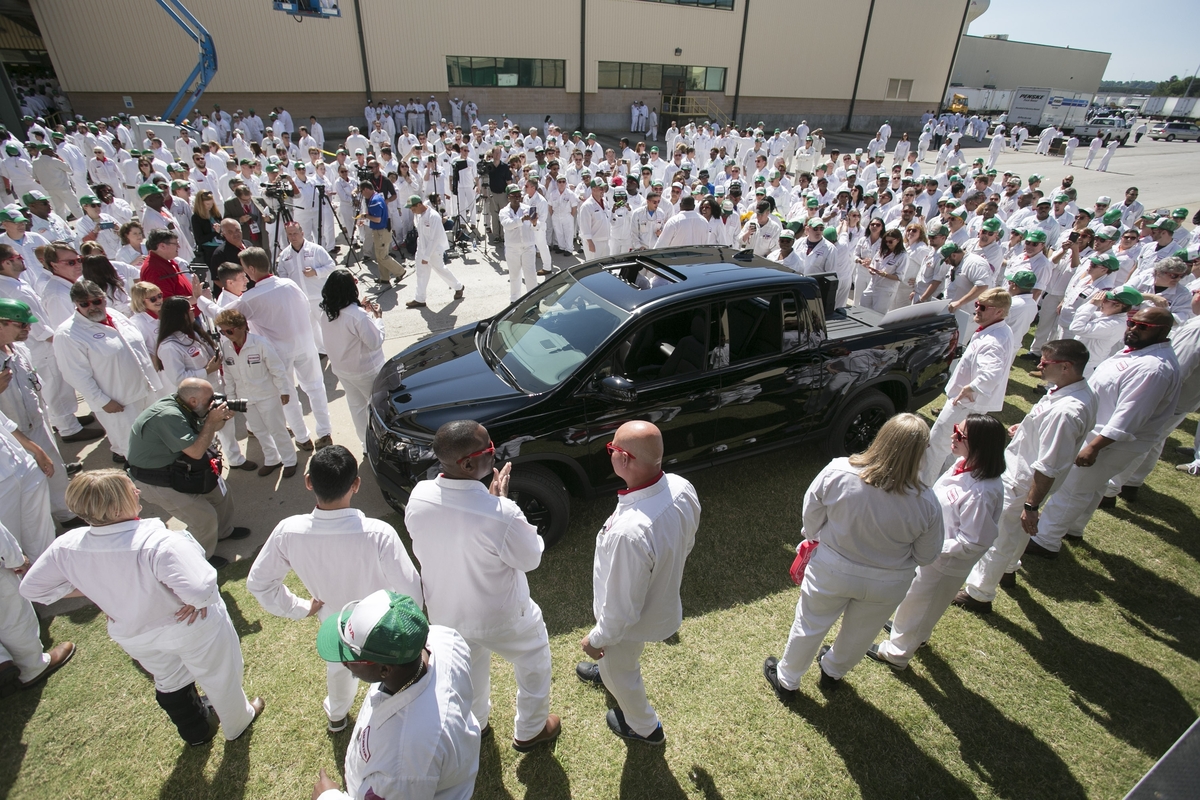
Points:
173	463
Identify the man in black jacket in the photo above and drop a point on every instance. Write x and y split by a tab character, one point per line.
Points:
241	207
499	176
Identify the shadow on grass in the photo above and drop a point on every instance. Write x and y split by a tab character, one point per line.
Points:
187	781
1131	701
990	743
539	771
1167	517
882	759
647	774
489	781
18	710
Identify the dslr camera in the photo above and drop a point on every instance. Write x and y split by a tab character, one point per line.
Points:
232	405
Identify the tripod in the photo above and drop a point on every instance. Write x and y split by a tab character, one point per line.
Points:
283	216
352	257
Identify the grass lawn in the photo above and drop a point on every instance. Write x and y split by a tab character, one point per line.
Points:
1080	680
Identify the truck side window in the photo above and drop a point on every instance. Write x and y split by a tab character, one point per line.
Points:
799	329
673	345
755	327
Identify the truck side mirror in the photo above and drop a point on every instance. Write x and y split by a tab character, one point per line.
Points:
618	389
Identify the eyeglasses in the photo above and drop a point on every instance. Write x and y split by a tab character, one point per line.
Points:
228	331
154	298
612	448
1043	362
1129	236
1143	326
70	261
487	451
959	434
980	306
95	301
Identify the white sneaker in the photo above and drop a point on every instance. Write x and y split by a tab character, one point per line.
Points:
1192	468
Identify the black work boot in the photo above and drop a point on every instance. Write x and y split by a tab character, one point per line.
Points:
192	717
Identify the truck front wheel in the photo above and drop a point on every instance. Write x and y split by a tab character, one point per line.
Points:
855	427
542	498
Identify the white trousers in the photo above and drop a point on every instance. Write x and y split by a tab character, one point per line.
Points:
562	225
61	402
1091	156
358	397
1072	506
1104	162
315	314
1067	155
833	587
434	265
1005	553
25	510
119	426
1047	321
621	671
527	647
918	613
41	436
20	636
938	453
341	687
206	652
543	246
522	263
879	297
266	419
66	203
305	368
1137	471
617	247
861	279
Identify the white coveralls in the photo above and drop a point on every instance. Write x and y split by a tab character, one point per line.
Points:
871	543
562	217
422	742
541	228
970	511
1136	396
278	310
108	363
20	633
474	550
24	494
309	268
340	556
636	574
23	405
256	374
355	344
1093	151
140	574
595	227
431	244
984	367
519	249
1047	441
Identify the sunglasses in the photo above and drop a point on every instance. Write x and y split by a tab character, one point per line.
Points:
612	448
95	301
1043	362
154	298
487	451
21	325
1143	326
228	331
958	434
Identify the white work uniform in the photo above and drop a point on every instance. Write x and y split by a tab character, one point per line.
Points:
22	404
1101	334
971	272
636	574
594	228
1047	440
296	266
106	363
431	244
541	227
1020	318
420	744
970	513
1136	394
340	556
871	543
20	633
105	229
688	228
984	367
763	239
881	291
278	310
562	218
474	550
61	403
24	494
140	574
354	342
256	374
519	250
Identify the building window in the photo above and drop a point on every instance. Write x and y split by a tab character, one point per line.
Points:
898	89
665	78
724	5
547	73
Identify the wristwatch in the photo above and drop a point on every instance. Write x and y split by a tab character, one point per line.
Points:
1031	507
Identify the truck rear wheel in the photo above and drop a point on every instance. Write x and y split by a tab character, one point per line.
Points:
543	499
855	427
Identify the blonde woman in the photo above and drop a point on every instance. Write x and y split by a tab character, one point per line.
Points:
145	303
916	245
162	601
876	523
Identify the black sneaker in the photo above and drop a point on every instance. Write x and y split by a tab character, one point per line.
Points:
874	654
827	681
239	533
589	672
1129	493
771	673
1108	502
616	724
218	562
1008	580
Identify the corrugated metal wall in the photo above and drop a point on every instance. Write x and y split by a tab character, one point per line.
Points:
14	37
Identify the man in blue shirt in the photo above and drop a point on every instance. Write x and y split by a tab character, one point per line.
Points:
375	218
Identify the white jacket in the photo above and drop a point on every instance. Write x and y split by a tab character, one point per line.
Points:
291	265
182	358
353	341
431	236
984	367
254	373
105	363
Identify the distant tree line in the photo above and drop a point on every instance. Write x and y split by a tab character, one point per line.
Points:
1175	87
1133	87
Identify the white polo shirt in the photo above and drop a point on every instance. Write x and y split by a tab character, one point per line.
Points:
1136	391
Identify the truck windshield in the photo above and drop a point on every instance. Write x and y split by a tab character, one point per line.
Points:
546	335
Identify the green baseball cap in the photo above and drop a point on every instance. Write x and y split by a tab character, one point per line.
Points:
1160	224
1110	232
1106	260
12	149
89	200
1024	279
787	233
414	200
1034	178
830	233
817	223
938	229
1062	197
147	189
812	202
12	215
1179	213
1112	216
992	225
512	188
16	311
1126	294
949	249
382	628
1035	235
33	196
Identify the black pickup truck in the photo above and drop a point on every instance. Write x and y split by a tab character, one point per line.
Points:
727	353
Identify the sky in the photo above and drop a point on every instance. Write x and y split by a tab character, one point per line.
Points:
1145	44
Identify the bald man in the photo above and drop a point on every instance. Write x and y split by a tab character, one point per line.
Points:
638	567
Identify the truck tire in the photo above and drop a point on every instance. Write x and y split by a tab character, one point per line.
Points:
1170	137
543	499
855	426
395	502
